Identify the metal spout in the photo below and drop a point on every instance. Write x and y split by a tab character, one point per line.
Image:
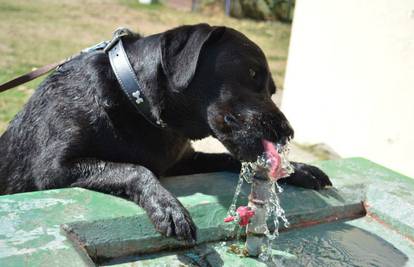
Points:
255	231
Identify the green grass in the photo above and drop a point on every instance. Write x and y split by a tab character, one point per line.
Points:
35	33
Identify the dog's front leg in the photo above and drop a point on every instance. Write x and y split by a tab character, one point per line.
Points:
199	162
138	184
307	176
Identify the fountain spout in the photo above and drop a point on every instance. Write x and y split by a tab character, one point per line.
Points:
256	229
263	200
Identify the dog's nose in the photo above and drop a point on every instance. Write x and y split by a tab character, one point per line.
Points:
287	132
231	121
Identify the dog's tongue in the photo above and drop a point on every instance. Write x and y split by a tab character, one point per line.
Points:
273	157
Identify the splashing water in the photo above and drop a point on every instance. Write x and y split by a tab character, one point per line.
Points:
272	205
275	211
232	209
247	172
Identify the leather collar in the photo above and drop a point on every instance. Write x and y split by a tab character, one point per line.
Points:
127	79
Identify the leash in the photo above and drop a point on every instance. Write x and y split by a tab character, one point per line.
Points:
30	76
120	65
22	79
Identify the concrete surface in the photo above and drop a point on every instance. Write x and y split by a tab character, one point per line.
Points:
30	236
30	224
120	237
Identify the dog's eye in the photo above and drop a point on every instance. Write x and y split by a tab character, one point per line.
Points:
252	73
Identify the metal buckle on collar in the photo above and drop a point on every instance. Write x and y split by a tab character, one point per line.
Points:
118	34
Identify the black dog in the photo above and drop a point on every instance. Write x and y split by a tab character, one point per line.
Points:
79	129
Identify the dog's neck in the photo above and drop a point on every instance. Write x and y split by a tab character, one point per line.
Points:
148	82
173	108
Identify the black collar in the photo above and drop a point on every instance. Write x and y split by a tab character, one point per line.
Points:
127	79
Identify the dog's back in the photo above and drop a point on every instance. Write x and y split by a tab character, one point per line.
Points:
14	158
36	128
78	113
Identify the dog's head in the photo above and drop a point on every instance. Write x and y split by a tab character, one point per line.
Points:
218	83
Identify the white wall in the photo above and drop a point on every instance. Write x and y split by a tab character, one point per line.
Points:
350	78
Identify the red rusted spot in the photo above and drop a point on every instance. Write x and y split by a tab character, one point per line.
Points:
350	214
244	215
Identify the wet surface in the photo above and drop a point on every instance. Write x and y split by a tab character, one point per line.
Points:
338	244
335	244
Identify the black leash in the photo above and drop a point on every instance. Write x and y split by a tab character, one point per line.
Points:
120	65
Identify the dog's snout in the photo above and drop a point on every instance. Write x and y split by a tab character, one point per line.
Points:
287	129
286	132
231	120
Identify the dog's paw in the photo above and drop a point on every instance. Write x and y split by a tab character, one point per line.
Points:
171	219
307	176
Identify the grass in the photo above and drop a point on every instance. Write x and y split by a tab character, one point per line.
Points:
35	33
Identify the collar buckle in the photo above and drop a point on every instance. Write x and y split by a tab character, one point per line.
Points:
116	36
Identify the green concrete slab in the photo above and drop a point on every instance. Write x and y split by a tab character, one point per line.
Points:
120	237
389	195
207	255
360	242
29	222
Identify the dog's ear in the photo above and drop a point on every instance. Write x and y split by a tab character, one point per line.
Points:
180	50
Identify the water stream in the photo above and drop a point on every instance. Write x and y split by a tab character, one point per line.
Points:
272	204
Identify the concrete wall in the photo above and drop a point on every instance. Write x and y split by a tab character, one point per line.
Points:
350	78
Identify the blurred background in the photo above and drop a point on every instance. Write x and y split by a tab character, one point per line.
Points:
347	87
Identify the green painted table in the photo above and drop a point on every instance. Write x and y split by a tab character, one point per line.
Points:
34	227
